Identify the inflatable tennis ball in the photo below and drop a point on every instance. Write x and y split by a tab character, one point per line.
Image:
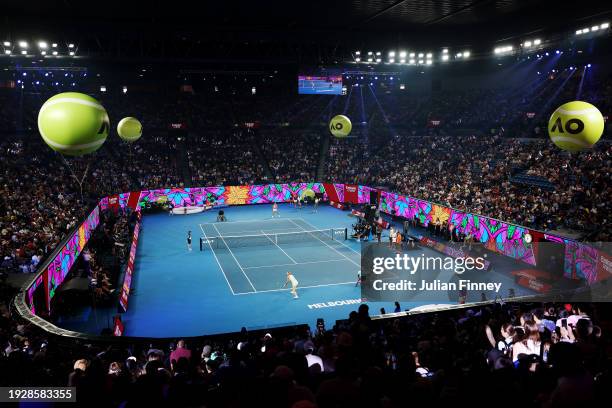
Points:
575	126
73	123
340	126
129	129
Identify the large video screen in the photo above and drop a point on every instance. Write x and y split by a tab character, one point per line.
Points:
320	85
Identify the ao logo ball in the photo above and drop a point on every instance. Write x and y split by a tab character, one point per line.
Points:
129	129
340	126
73	123
575	126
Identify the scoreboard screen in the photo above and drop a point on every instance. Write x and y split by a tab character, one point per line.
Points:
315	85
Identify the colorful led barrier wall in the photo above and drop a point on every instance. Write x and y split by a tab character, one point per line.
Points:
508	239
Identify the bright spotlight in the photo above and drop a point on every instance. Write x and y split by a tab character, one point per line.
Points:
357	59
588	65
7	43
585	30
402	54
604	26
102	88
537	41
124	90
445	51
466	54
71	53
420	55
420	61
402	61
391	60
43	53
412	55
445	58
370	60
391	54
594	28
412	62
527	44
459	55
54	45
357	52
578	32
429	62
24	52
378	59
7	52
369	52
253	91
402	86
377	52
429	55
71	45
23	44
54	53
42	44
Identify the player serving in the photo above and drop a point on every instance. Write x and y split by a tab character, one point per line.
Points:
275	210
189	240
294	284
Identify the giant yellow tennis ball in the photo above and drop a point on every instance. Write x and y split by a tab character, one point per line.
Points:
575	126
73	123
129	129
340	126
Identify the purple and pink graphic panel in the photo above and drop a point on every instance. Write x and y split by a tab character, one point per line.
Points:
230	195
60	266
497	236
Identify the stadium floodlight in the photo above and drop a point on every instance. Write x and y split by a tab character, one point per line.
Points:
357	59
377	52
429	55
412	55
24	52
253	91
420	61
378	59
402	54
429	62
369	52
459	55
466	54
124	89
7	43
445	57
370	60
43	52
402	61
604	26
23	44
588	65
391	54
42	44
594	28
412	62
357	52
420	55
54	53
445	51
527	44
54	45
537	41
7	52
71	53
578	32
102	88
402	86
391	60
71	45
585	30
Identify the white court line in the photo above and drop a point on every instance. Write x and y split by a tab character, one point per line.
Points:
258	231
341	243
350	260
299	287
233	256
272	241
218	263
253	220
299	263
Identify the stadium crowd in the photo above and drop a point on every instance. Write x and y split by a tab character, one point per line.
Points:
542	355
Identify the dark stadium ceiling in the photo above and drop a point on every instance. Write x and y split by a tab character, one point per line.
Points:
170	28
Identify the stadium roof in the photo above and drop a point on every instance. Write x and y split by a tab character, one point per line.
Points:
136	25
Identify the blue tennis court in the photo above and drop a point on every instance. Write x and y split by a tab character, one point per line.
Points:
237	279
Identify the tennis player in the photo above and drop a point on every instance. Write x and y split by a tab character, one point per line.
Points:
189	240
294	284
275	210
316	205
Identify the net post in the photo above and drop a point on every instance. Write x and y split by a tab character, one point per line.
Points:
345	233
201	245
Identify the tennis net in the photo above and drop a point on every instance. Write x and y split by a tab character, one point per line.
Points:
263	239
